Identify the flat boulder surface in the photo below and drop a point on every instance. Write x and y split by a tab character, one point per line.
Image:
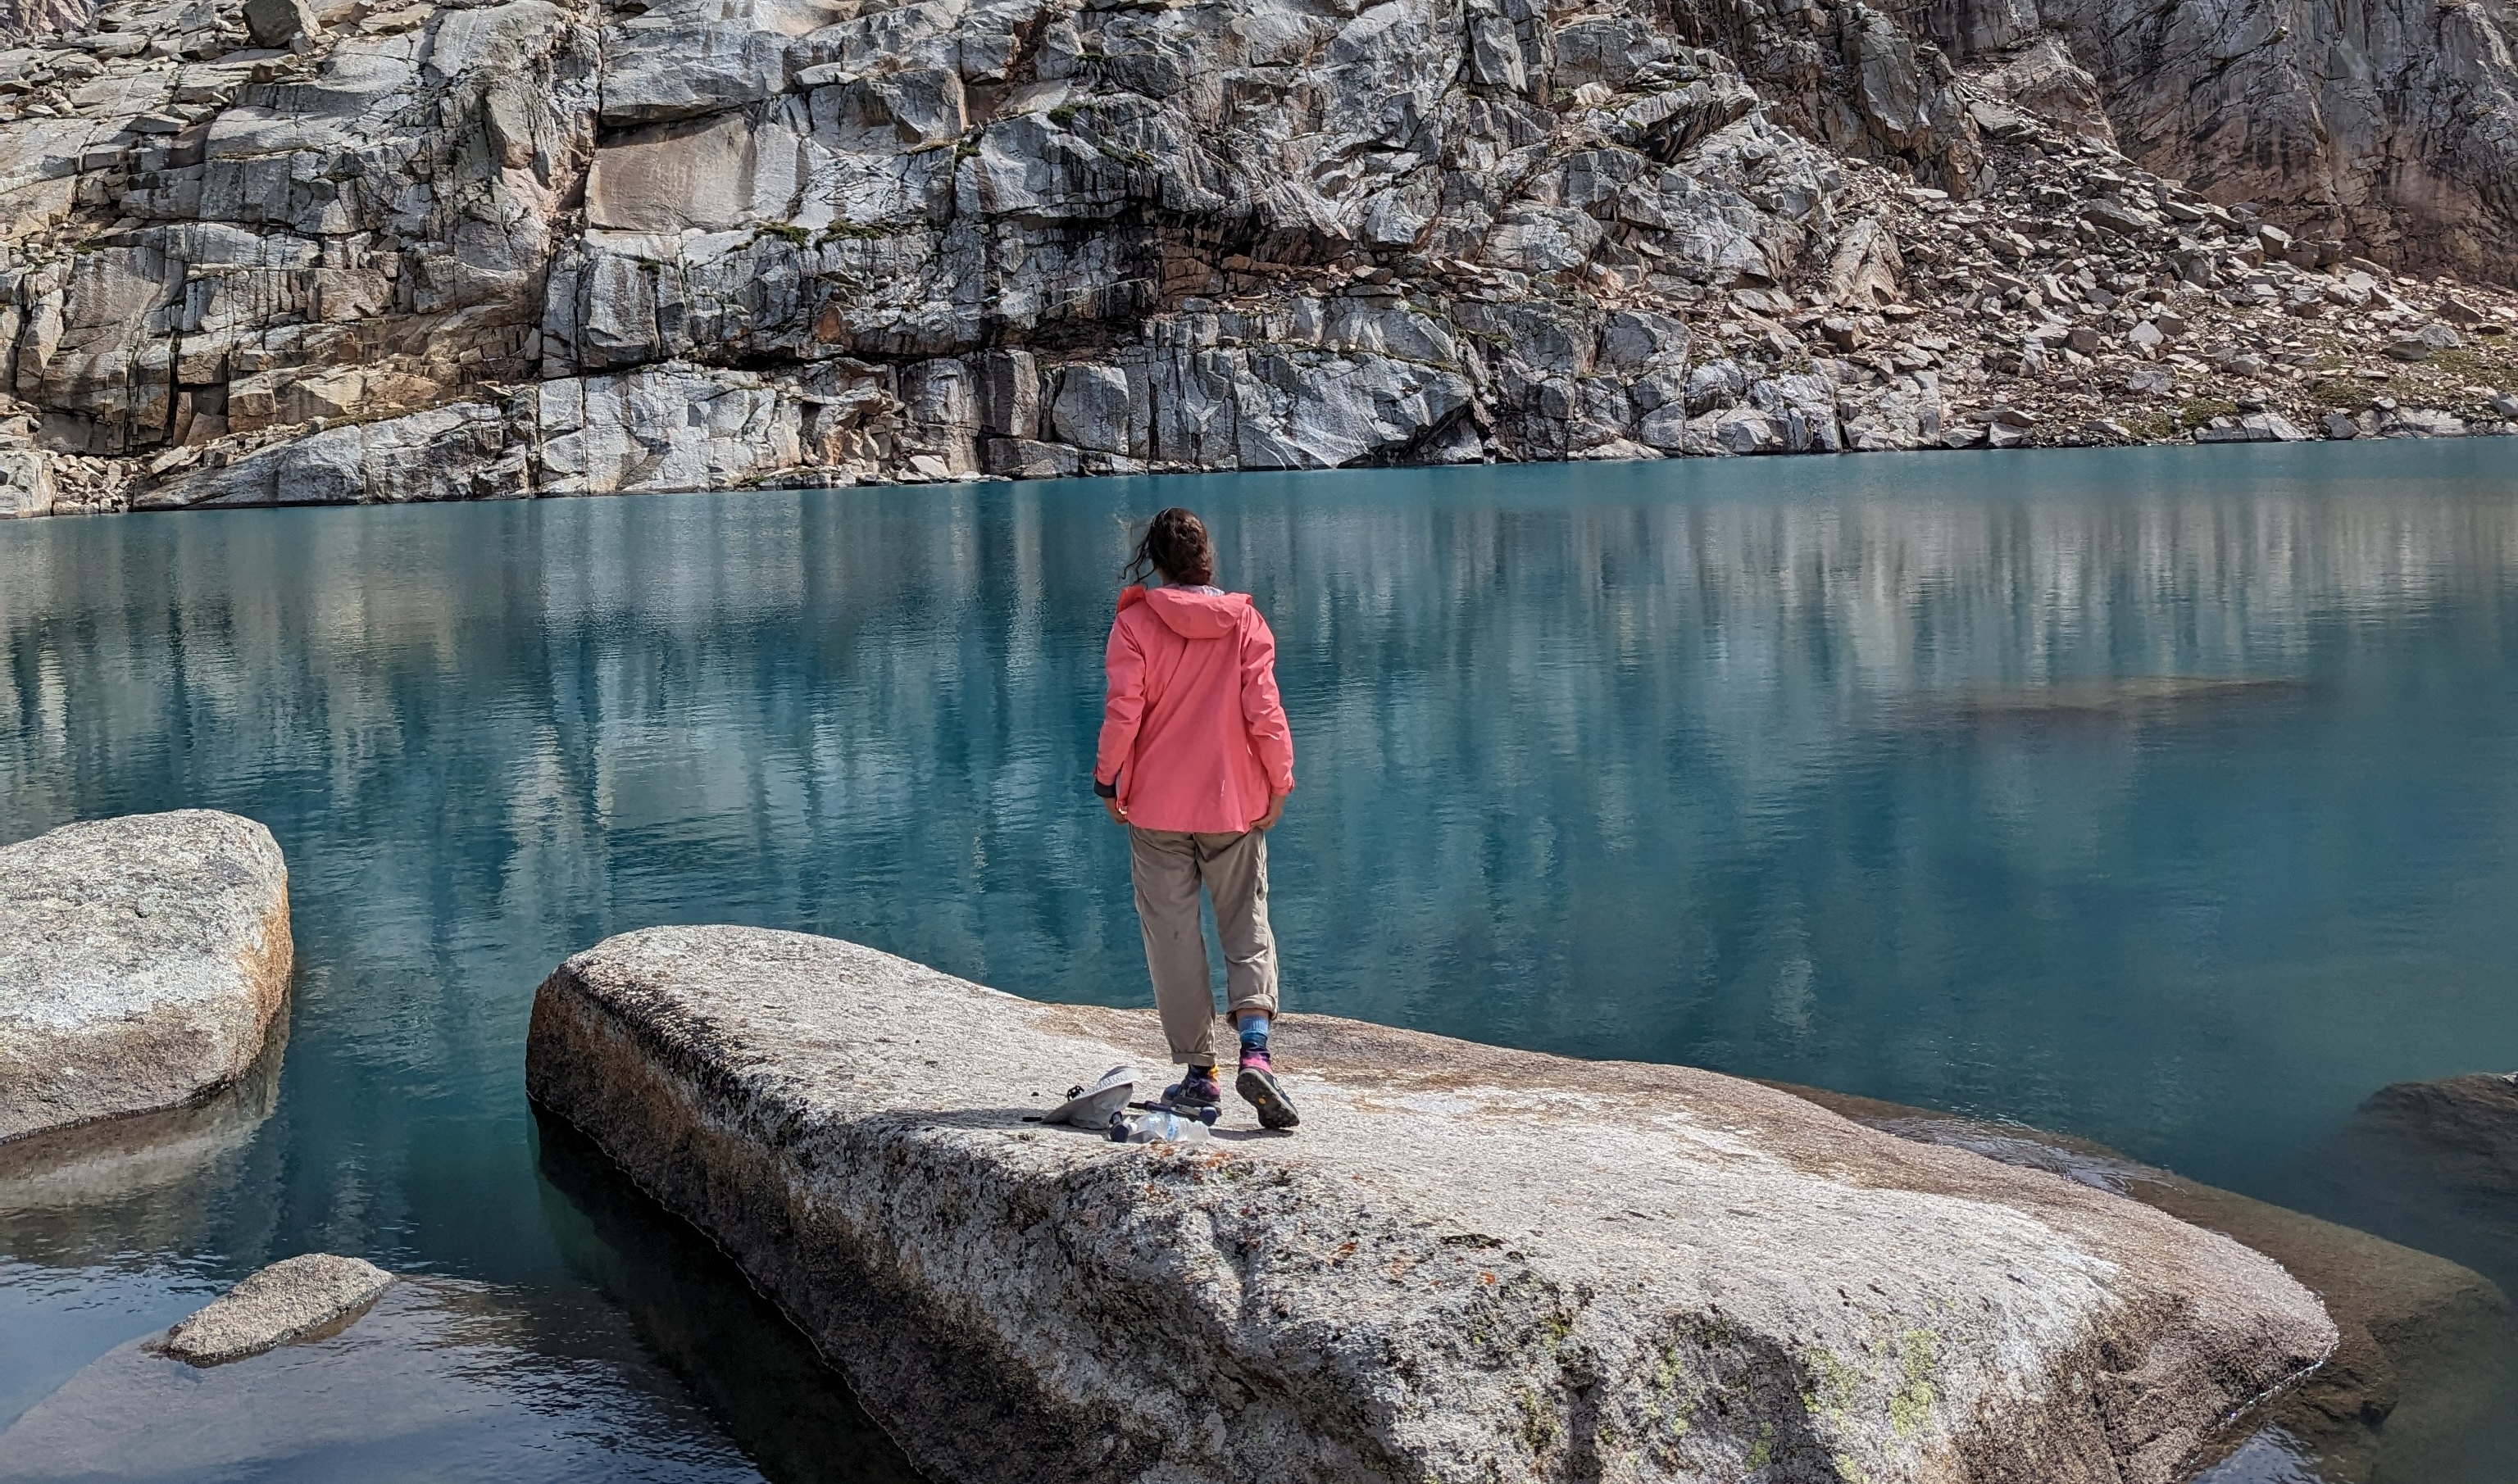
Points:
1468	1264
141	961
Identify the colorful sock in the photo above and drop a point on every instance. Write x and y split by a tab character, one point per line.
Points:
1255	1037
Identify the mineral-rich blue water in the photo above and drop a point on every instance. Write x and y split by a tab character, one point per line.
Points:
2164	797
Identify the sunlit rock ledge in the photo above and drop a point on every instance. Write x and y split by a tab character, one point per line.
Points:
142	961
1469	1264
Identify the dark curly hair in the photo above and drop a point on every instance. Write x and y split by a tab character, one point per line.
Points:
1176	547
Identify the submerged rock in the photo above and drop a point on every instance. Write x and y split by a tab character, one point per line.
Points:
1471	1264
287	1300
2471	1118
141	961
2438	1162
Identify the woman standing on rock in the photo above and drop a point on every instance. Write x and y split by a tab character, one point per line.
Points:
1196	760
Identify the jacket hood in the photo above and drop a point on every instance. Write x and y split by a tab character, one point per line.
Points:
1191	614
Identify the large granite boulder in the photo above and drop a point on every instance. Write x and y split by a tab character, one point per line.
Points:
141	961
1470	1263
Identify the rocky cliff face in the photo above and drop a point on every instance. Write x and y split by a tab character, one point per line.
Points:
297	251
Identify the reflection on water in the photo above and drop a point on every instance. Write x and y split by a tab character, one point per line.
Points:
695	1311
79	1195
2168	802
440	1380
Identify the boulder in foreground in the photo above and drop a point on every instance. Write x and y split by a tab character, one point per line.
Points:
285	1301
1469	1264
141	961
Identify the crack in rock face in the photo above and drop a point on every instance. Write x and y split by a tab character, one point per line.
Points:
341	252
1470	1263
143	962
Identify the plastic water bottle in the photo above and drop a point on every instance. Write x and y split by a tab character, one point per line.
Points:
1155	1127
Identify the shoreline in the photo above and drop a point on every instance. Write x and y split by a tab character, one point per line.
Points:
809	484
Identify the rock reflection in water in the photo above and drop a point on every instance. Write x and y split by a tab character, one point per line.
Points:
442	1381
2270	1456
692	1306
85	1193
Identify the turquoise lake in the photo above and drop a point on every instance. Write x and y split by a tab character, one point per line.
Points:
2164	797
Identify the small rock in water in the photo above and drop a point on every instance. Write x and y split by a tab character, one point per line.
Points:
283	1302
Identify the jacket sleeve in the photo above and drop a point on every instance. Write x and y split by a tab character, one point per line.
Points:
1263	711
1123	706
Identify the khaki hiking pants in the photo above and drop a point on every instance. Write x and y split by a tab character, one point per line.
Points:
1168	865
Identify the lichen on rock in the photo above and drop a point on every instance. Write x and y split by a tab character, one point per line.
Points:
1470	1263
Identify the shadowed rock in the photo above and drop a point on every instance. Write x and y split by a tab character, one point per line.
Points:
2123	698
1470	1263
738	1356
141	961
285	1302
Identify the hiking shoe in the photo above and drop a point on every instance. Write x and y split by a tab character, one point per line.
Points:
1199	1089
1259	1087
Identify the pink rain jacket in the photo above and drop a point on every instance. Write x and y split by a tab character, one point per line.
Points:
1193	732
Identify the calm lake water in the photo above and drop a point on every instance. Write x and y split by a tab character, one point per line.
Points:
2164	797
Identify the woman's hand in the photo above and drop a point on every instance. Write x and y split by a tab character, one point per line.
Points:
1110	806
1275	811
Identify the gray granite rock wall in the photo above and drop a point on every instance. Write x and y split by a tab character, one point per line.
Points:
547	247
